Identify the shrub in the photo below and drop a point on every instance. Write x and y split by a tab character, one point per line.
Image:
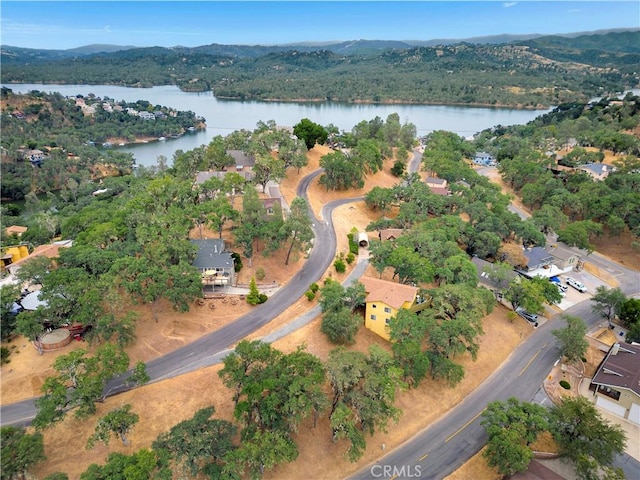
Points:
314	287
237	264
398	168
254	295
260	274
5	352
350	258
340	266
564	384
310	295
353	243
262	297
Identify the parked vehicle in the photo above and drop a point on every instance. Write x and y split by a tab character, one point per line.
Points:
529	317
561	288
576	284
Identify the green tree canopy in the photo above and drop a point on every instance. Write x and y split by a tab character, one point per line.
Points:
311	133
585	438
571	339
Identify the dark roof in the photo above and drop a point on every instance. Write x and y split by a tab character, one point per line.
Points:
620	368
212	254
537	256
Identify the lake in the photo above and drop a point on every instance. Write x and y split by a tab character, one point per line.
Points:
225	116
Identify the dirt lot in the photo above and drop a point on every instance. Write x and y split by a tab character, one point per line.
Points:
165	403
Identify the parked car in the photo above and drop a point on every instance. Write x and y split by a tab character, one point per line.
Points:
561	288
576	284
529	317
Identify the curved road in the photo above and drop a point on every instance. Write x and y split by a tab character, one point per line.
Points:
211	348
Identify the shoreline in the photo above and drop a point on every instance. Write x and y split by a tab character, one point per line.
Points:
515	106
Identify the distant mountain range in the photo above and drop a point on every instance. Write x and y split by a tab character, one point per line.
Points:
532	71
14	54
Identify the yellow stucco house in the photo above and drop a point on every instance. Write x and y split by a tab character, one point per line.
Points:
383	301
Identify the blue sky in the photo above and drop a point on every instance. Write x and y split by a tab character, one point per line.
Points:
61	25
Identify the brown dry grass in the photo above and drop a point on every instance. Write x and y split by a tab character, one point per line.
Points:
165	403
475	468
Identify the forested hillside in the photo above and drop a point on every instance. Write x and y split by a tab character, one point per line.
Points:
553	164
66	135
536	73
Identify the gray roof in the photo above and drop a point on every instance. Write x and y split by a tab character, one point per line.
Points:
537	256
32	301
242	158
202	177
560	251
435	180
212	254
481	265
597	168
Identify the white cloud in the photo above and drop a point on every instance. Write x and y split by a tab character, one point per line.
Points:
509	4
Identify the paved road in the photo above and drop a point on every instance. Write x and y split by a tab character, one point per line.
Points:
444	446
211	348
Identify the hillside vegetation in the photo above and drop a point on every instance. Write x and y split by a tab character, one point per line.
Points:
529	74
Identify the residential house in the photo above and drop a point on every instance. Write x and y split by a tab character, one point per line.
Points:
485	280
434	182
50	251
383	301
597	171
88	110
390	234
242	160
563	258
437	186
16	230
202	177
269	205
215	263
616	384
36	157
539	263
273	191
484	158
146	116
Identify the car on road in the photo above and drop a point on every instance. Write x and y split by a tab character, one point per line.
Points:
529	317
576	284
